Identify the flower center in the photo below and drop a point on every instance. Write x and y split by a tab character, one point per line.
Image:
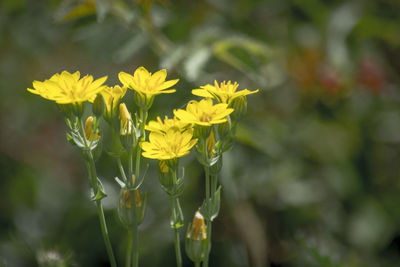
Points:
205	117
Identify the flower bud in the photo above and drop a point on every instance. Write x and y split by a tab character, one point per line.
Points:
125	213
127	129
126	120
197	230
196	239
165	176
89	130
210	143
98	106
162	164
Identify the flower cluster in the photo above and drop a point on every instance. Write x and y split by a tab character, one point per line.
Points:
208	125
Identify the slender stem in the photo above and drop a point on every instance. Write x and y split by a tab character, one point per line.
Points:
176	212
208	221
129	250
177	249
104	231
143	118
197	264
134	231
93	182
176	217
135	236
214	180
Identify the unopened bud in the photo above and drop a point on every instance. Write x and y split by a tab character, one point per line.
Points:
126	120
162	164
125	207
198	229
196	239
210	144
89	129
125	199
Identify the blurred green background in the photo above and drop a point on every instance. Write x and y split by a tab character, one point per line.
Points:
313	179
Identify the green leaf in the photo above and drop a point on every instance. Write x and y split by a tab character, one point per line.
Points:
210	209
100	194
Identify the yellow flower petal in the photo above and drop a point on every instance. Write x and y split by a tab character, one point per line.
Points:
203	113
225	92
146	84
67	88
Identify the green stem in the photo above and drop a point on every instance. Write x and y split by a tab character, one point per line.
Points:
208	221
93	182
214	180
176	223
135	237
197	264
129	250
143	118
104	231
134	231
177	220
177	249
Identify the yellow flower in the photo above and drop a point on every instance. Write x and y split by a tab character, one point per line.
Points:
223	93
147	84
167	124
67	88
171	145
203	113
89	130
112	96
